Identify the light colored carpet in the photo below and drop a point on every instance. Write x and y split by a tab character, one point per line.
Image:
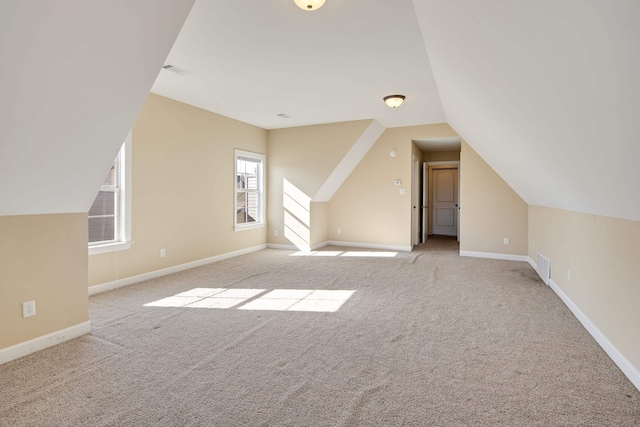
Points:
427	338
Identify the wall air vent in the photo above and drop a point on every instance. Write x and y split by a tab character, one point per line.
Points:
174	69
543	267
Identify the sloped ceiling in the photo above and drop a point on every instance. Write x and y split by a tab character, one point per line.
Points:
73	76
547	92
254	59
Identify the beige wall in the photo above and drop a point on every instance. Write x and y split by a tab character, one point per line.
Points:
368	207
602	254
319	223
489	209
42	258
305	157
183	190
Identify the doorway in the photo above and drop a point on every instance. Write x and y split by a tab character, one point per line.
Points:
440	213
444	190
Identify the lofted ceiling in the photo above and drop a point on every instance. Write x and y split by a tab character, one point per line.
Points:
254	59
66	105
546	91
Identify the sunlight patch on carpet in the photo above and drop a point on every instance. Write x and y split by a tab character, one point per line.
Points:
314	300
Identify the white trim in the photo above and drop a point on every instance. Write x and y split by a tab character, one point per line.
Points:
370	246
249	226
109	247
490	255
126	178
40	343
452	162
342	244
532	263
104	287
282	247
295	248
124	203
625	366
349	162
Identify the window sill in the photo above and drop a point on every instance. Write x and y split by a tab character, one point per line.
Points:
249	226
109	247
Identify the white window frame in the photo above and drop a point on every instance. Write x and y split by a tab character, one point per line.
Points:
260	221
123	229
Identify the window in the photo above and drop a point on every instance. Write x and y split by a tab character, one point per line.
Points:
109	216
249	190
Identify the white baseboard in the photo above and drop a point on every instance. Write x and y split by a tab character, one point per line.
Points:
369	246
282	247
625	366
103	287
344	244
24	348
295	248
506	257
532	263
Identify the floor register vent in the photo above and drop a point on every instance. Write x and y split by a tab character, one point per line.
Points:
543	267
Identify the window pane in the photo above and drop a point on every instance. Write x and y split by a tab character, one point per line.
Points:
241	181
110	179
241	204
249	185
104	204
252	207
101	229
252	182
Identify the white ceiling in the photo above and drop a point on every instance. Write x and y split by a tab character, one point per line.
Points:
547	92
254	59
66	105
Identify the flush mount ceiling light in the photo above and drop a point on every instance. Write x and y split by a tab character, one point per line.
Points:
394	101
309	4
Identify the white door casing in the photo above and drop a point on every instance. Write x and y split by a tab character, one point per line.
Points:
458	208
415	202
425	202
445	202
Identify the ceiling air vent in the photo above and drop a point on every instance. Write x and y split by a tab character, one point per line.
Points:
174	69
283	116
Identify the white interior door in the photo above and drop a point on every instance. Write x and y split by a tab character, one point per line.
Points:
425	202
445	202
415	202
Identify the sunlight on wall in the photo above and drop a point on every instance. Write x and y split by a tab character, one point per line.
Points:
328	301
297	216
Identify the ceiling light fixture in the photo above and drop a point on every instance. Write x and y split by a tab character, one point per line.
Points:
394	101
309	4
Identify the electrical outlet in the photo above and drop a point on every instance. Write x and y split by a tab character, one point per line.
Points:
339	230
28	309
275	233
506	240
162	253
402	192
